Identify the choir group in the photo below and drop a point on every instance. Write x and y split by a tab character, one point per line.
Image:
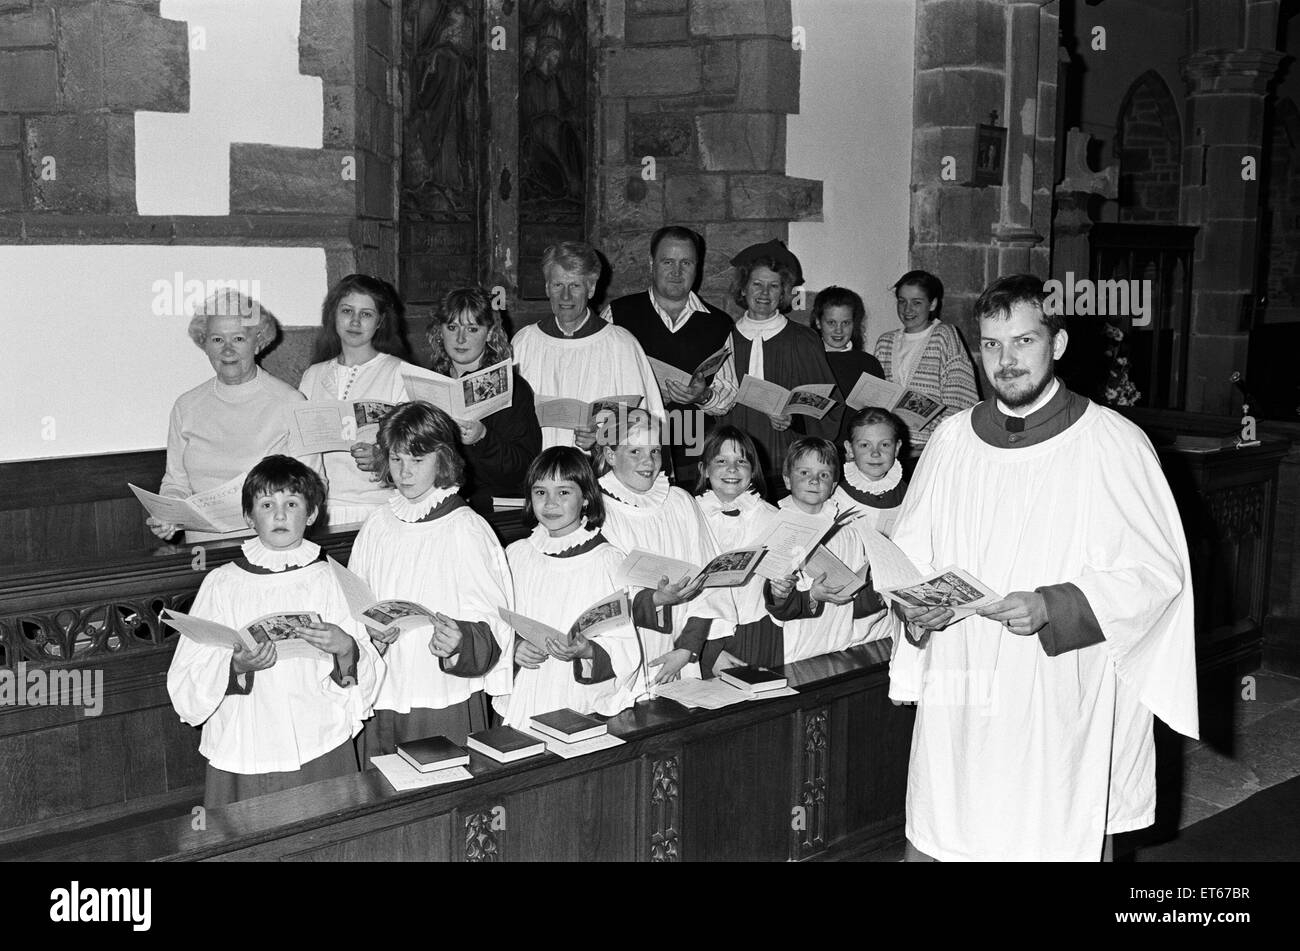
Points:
592	494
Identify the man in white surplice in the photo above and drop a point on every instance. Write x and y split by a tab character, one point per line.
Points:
1033	737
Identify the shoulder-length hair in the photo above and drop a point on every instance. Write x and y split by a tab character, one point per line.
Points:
742	273
713	444
229	302
421	429
565	464
469	303
388	305
835	296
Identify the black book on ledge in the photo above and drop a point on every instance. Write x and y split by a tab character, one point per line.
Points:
752	679
433	753
568	726
505	744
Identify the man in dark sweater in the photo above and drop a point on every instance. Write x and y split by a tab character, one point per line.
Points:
675	327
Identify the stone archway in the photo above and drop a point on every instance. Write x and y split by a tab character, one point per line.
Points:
1149	146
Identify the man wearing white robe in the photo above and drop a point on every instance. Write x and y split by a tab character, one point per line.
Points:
1033	737
573	354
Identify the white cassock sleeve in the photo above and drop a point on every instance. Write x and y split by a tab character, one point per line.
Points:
200	673
1138	581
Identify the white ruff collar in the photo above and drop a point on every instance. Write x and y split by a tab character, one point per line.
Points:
276	560
655	497
542	541
829	507
747	501
858	479
408	511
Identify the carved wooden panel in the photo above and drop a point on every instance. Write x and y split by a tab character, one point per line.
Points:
811	808
1238	510
99	629
482	826
665	809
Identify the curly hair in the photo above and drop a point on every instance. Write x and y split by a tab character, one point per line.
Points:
743	272
230	302
470	303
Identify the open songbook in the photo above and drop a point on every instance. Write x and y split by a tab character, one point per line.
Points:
811	399
792	535
376	614
708	366
216	510
566	413
839	577
898	580
332	425
913	408
607	613
278	628
472	396
731	568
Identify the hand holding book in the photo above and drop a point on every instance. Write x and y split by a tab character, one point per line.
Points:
243	660
446	636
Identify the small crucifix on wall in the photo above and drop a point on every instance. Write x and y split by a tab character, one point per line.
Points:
990	152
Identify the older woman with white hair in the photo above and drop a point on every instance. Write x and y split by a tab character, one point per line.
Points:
573	354
226	425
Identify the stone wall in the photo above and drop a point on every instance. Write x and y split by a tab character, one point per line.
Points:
1149	146
691	121
965	68
1283	203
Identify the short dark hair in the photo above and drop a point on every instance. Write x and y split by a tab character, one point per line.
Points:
388	304
713	444
926	281
999	297
677	233
422	429
834	296
565	464
823	449
743	272
282	474
873	416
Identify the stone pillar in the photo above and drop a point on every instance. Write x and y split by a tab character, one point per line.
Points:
691	117
1226	91
1078	190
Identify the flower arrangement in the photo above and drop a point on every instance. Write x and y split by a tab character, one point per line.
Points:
1120	390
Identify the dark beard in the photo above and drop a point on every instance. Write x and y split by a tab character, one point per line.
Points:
1028	397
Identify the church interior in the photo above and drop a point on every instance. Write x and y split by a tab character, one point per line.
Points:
148	147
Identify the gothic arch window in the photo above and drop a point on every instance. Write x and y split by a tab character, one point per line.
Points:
1149	147
495	143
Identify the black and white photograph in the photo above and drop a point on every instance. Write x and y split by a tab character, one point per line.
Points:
1042	258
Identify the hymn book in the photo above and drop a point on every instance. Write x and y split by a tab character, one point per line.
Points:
375	614
811	399
913	408
402	776
568	750
708	366
433	753
753	679
217	510
566	413
278	628
568	725
471	396
728	570
332	425
899	581
605	615
792	535
839	577
505	744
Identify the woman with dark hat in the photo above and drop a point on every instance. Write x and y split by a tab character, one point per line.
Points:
766	345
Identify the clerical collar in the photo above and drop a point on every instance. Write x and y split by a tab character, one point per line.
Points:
742	504
858	479
551	327
994	427
274	559
1025	412
654	497
581	537
411	512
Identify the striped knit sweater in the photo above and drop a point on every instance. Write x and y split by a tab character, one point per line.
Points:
944	372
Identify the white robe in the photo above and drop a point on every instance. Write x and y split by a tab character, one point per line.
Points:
833	630
740	531
295	711
1018	756
553	590
353	496
609	362
676	528
452	564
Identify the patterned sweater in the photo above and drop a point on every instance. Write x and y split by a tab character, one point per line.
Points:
943	371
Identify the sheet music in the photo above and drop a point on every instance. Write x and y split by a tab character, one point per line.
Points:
709	694
402	776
